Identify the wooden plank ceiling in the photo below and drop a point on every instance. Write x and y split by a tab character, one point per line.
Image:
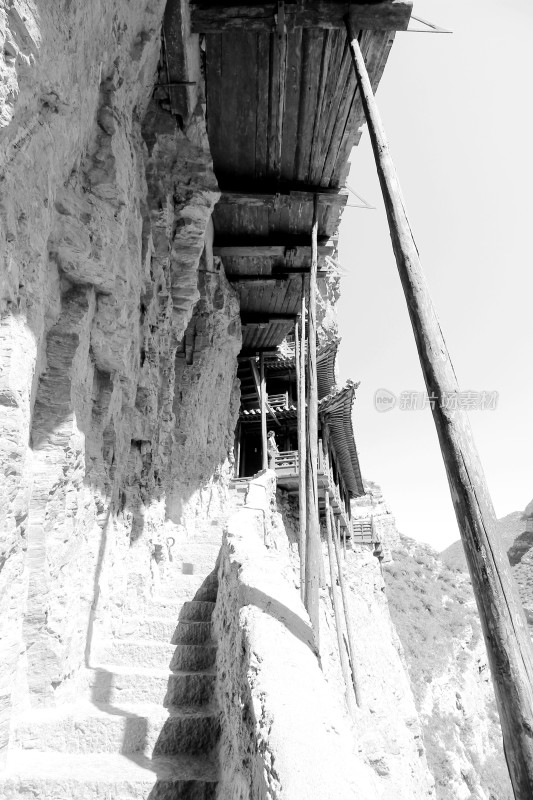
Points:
283	113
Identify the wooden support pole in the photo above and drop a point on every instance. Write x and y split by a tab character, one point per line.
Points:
313	550
343	542
509	646
302	446
257	381
263	412
345	667
350	629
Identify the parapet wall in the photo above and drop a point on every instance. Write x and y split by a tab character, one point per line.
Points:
285	734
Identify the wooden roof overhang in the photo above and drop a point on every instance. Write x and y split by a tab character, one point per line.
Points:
336	410
325	367
283	113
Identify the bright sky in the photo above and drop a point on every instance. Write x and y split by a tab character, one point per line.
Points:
458	112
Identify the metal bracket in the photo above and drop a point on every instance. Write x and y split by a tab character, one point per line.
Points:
432	28
364	203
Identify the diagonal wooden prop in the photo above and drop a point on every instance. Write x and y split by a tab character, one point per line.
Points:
508	643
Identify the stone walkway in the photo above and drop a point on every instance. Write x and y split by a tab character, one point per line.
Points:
145	730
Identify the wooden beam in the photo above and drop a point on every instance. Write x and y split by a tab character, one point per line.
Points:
507	638
258	318
235	250
297	271
313	551
235	277
276	97
337	198
284	274
247	353
216	16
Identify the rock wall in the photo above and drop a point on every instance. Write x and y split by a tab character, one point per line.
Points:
372	506
107	276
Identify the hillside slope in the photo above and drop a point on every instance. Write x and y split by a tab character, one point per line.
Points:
433	609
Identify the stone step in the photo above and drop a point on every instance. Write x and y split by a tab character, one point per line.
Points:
190	657
169	597
157	606
189	587
102	776
197	611
135	653
192	632
143	627
191	688
134	728
116	684
190	730
207	549
90	728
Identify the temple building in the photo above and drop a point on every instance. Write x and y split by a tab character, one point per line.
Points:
339	472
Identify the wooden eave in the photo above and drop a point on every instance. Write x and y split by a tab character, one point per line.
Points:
325	367
336	411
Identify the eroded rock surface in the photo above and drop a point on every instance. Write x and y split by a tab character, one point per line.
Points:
105	210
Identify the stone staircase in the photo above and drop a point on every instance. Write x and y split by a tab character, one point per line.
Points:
148	727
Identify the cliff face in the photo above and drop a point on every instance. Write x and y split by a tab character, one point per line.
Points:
117	331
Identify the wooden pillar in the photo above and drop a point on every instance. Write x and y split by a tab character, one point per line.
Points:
345	667
263	412
299	351
237	451
343	542
509	646
350	628
312	554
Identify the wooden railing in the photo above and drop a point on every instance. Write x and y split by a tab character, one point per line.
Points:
363	531
279	400
287	462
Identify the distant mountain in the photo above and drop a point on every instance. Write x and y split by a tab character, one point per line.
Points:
510	528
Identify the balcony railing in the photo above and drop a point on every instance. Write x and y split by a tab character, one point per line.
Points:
363	531
279	400
287	463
